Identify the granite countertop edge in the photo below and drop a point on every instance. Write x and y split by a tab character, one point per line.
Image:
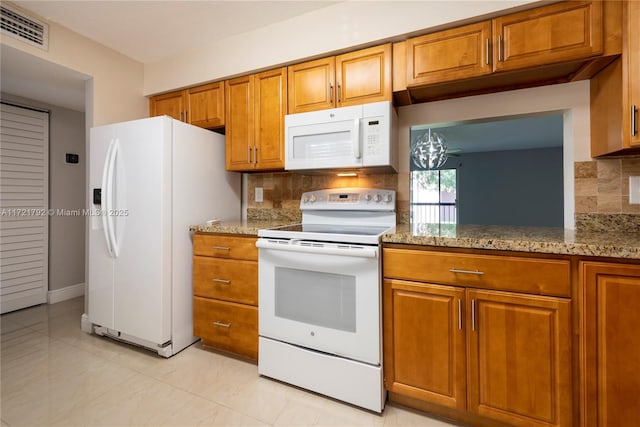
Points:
248	228
533	240
603	249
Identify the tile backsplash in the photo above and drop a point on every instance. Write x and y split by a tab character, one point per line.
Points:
282	191
602	186
601	193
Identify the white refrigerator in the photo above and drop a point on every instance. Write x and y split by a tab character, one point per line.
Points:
149	180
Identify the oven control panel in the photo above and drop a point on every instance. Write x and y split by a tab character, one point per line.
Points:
349	199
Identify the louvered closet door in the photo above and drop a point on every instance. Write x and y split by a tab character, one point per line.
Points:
24	204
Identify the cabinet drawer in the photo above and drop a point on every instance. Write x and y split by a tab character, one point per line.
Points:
225	246
230	280
529	275
227	326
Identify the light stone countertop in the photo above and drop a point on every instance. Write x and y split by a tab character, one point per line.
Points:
524	239
503	238
248	228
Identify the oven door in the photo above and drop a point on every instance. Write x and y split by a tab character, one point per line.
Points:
321	296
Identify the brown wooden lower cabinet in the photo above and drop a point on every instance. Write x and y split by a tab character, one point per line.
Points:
610	348
483	357
519	358
226	325
425	342
225	293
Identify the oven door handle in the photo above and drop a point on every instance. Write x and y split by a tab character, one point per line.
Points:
341	250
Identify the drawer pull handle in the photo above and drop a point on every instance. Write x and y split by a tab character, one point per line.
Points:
221	248
226	282
224	325
476	272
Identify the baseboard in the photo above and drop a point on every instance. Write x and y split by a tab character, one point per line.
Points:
69	292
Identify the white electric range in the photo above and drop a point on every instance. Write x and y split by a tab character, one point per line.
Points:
320	295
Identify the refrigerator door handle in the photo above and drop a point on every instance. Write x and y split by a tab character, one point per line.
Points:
110	181
106	196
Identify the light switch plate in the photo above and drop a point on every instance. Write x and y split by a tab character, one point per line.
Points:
259	195
634	190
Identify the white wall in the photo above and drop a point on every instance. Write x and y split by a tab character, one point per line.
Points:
116	84
571	99
513	187
340	26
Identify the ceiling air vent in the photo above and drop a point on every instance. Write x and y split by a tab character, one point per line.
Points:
20	26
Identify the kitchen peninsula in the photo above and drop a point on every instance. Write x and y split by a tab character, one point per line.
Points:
506	306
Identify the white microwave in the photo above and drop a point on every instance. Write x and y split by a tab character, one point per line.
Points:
361	137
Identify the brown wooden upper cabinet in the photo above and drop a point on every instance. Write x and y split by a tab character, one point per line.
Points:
551	34
459	53
557	33
631	73
201	106
255	110
205	105
339	81
615	94
170	104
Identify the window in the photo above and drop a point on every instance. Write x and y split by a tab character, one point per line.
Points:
433	196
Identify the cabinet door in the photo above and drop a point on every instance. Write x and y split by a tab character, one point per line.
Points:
170	104
560	32
631	74
424	342
239	124
270	107
610	344
311	85
206	105
454	54
364	76
519	358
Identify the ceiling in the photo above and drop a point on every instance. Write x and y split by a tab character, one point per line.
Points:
144	30
151	30
498	134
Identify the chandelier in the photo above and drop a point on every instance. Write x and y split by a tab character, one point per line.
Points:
429	151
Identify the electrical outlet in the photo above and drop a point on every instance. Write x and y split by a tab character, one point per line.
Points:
259	195
634	190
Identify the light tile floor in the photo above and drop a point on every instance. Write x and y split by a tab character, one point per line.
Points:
53	374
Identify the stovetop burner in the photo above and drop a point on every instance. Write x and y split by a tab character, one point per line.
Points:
347	215
334	229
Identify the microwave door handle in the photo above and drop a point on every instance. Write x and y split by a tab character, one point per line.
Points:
356	139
